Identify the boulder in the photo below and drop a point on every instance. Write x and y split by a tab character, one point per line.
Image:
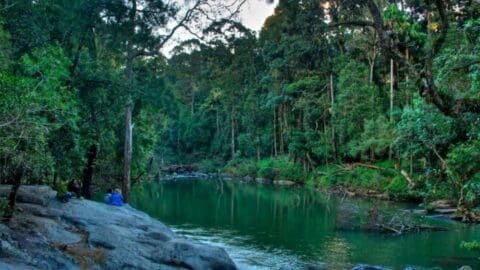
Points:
81	234
441	204
263	180
39	195
284	183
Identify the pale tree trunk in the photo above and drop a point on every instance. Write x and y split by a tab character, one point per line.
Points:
127	162
392	84
258	152
258	143
232	120
280	127
410	161
332	98
127	150
408	101
371	61
275	132
407	78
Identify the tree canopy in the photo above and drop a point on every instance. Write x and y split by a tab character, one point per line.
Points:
390	84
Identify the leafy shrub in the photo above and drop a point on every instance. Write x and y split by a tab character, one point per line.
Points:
266	169
280	168
242	167
325	176
209	165
61	188
470	245
398	187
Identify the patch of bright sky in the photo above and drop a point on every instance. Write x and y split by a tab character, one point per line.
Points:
255	12
253	15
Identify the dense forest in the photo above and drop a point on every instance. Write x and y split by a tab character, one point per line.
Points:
377	96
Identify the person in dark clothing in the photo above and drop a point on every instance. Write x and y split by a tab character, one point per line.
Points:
73	188
72	191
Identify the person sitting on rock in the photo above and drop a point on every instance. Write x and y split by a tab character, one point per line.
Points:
72	191
106	197
116	198
73	188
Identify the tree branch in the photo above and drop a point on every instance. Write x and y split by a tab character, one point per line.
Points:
444	27
352	24
188	15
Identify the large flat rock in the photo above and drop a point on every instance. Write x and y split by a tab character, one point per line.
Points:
81	234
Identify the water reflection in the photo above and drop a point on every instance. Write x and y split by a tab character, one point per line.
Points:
265	227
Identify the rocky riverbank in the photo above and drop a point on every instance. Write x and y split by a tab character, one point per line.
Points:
81	234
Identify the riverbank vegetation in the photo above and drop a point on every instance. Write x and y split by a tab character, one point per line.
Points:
378	97
372	96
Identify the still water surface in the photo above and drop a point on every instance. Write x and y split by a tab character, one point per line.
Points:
268	227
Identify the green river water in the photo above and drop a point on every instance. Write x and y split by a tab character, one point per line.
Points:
269	227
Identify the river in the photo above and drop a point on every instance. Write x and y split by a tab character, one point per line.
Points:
269	227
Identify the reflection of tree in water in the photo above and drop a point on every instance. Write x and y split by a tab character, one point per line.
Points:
347	217
276	225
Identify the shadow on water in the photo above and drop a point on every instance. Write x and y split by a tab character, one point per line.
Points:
268	227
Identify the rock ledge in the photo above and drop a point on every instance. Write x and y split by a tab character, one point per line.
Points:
81	234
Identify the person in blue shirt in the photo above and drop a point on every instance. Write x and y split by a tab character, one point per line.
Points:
116	198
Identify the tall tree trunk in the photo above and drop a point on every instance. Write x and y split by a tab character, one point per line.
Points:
127	150
407	78
372	69
372	64
392	85
332	98
275	132
281	127
88	172
258	152
217	122
192	104
410	162
12	197
127	162
232	123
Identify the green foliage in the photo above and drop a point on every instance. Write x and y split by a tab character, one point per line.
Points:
39	105
398	187
463	169
280	168
308	84
211	165
301	100
422	130
61	188
374	140
470	245
350	114
241	167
